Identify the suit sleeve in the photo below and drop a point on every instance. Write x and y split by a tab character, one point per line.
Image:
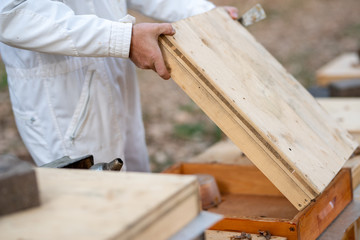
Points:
170	10
52	27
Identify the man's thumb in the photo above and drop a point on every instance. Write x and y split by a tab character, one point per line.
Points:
166	28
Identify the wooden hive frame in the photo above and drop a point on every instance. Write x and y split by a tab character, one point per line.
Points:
257	104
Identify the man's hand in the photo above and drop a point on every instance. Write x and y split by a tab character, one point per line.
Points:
144	49
233	12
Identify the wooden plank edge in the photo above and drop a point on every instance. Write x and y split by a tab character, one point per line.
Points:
167	210
229	235
276	227
354	164
319	214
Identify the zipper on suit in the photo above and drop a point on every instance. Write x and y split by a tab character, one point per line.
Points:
83	110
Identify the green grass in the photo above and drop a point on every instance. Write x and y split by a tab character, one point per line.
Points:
353	30
198	131
303	74
190	107
189	131
3	77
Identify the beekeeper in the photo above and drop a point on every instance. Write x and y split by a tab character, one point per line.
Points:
72	85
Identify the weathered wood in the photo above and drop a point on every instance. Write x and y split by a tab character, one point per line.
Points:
222	235
18	185
337	230
233	179
261	108
327	207
222	152
249	211
346	111
79	204
345	66
353	231
354	164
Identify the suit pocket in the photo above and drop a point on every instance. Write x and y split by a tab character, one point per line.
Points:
82	108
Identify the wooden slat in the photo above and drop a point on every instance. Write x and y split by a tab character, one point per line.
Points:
346	111
327	207
354	164
261	108
345	66
274	226
224	152
80	204
223	235
235	179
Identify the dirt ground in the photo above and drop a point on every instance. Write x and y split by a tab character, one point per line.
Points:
302	35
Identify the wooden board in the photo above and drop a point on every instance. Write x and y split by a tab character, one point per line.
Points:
260	106
225	235
81	204
222	152
354	164
345	66
346	111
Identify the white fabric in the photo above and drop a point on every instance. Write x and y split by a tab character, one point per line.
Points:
73	90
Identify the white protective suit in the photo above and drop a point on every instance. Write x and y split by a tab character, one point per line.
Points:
72	87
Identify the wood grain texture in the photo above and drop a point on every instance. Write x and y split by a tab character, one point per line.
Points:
345	66
251	211
234	179
346	111
260	107
80	204
277	227
222	235
225	152
354	164
327	207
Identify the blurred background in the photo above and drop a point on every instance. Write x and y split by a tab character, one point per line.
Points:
302	34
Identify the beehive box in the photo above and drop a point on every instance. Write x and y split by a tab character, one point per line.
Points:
251	203
83	204
344	67
260	107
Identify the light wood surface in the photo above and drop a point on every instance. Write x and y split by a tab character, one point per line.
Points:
345	66
260	106
346	111
354	164
250	211
225	235
225	152
81	204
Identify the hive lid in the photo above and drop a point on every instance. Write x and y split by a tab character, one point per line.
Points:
257	104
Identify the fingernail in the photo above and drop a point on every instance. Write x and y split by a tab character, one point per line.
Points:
173	31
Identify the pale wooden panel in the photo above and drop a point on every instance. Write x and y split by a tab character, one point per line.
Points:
105	205
346	111
354	164
345	66
224	235
261	107
222	152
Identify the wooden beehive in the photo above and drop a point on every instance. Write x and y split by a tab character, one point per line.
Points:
251	203
81	204
345	66
257	104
